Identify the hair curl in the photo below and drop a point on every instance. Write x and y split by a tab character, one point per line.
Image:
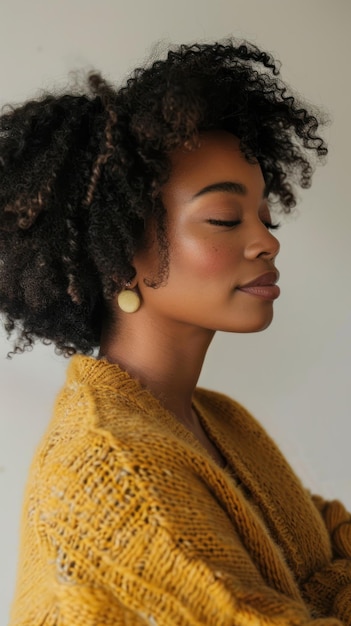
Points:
81	174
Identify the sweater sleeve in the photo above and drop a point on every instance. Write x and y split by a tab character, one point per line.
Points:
338	523
111	559
332	584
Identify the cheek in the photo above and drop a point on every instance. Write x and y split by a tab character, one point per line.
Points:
204	259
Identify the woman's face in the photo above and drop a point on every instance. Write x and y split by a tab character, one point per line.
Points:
219	241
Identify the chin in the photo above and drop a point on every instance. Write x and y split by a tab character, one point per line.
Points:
250	326
259	327
258	330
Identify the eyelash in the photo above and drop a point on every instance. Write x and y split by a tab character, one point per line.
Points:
232	224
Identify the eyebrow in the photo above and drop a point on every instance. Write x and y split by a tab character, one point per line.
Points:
227	186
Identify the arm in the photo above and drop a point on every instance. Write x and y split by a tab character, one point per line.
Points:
334	581
338	523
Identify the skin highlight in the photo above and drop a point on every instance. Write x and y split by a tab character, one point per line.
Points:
219	239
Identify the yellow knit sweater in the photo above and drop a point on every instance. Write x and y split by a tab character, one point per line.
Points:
128	521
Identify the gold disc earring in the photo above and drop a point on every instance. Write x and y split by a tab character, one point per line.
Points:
128	301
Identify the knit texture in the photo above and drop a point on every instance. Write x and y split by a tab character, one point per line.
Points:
127	520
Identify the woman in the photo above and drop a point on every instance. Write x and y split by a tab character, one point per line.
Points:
138	221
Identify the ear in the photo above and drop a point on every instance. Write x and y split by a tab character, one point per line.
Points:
146	258
131	284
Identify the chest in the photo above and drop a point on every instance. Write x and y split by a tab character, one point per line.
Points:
274	493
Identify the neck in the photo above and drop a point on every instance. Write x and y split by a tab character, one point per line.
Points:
166	359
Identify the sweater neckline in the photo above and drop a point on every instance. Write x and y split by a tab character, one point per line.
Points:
102	373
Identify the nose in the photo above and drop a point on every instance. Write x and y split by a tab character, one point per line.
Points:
261	243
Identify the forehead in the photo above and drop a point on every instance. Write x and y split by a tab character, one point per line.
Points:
218	158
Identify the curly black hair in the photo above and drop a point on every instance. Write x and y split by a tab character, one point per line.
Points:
81	173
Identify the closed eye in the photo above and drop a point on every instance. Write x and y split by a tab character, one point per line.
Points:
227	223
233	223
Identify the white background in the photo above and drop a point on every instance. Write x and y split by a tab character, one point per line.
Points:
294	377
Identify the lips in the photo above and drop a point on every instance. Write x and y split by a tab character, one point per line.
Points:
269	278
263	286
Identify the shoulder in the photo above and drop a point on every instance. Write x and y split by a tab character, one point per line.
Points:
99	397
102	480
106	429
